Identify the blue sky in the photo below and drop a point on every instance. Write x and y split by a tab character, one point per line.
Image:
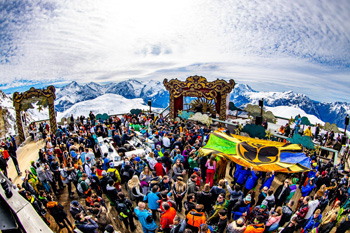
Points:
274	45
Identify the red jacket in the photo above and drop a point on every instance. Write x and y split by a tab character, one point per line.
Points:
167	218
198	181
159	169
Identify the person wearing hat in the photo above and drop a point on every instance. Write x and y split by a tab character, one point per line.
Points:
259	210
159	151
242	208
75	208
293	188
87	166
179	191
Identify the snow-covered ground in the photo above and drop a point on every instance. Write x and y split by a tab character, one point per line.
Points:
292	111
108	103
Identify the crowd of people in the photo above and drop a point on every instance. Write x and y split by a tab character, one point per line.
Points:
173	188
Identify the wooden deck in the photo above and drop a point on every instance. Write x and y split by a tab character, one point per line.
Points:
30	152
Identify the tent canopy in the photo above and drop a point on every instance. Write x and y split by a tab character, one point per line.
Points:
261	155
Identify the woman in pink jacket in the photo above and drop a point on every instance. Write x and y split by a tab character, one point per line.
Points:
274	219
211	169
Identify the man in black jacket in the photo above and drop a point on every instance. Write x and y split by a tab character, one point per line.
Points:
282	192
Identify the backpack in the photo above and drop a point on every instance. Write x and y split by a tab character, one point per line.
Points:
112	174
65	175
73	176
196	219
270	203
84	166
149	219
123	210
79	188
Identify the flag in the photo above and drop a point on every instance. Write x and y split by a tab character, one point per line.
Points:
262	155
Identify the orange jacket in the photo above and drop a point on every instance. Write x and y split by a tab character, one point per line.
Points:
167	218
255	228
195	218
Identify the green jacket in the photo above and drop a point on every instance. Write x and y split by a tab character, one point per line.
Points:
83	184
192	163
217	208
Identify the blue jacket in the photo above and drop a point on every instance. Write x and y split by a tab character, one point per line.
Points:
238	170
152	199
90	226
307	189
142	216
105	164
244	208
179	156
268	182
249	184
312	173
242	176
156	152
312	223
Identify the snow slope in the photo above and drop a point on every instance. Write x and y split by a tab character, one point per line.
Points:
292	111
108	103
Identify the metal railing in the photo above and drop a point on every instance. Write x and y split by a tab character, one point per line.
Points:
28	218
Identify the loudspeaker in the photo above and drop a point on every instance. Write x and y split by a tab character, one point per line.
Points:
347	120
258	120
149	102
344	139
261	103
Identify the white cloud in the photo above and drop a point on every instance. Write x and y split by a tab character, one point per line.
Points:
298	45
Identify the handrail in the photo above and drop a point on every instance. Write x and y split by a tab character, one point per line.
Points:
25	212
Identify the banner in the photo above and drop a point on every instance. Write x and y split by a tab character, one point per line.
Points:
262	155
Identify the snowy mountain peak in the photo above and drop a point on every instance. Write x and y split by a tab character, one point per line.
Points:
95	86
241	95
243	87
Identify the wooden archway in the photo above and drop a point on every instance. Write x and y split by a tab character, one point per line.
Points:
198	86
48	93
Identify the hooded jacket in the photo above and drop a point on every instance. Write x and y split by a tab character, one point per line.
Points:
191	186
195	218
268	200
74	210
255	228
152	199
142	216
88	226
249	184
112	192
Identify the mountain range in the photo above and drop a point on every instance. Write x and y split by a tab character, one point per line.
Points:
241	95
73	93
113	98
